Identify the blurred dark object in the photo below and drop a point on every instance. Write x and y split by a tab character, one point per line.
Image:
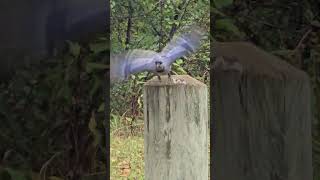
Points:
35	29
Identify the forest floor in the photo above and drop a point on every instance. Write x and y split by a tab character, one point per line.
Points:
127	153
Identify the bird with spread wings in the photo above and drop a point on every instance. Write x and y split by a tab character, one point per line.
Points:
138	60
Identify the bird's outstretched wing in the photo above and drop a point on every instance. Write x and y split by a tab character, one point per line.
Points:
134	61
182	45
130	62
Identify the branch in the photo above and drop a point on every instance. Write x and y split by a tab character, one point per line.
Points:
161	23
305	35
129	25
139	15
179	17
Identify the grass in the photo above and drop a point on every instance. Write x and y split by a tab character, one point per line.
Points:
127	157
127	150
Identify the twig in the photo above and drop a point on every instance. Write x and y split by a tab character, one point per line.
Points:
45	166
161	23
129	25
253	20
305	35
139	15
96	173
113	132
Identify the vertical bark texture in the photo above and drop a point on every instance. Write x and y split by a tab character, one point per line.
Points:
262	117
176	129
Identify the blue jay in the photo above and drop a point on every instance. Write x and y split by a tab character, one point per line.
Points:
137	60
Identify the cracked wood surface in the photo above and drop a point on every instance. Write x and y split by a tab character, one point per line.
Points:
176	129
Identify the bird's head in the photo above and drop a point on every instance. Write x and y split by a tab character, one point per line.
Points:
159	66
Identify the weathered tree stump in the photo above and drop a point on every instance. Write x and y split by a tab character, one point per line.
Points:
262	116
176	129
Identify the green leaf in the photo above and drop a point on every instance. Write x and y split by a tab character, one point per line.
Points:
96	85
179	61
27	89
180	70
101	107
16	175
227	25
139	101
98	47
93	129
92	66
222	3
217	12
4	175
141	75
74	48
65	93
54	178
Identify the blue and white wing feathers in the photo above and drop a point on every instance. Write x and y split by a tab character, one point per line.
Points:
182	45
130	62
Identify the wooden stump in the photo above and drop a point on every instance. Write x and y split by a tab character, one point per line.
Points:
262	116
176	129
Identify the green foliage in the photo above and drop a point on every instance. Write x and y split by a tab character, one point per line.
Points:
289	29
227	26
152	27
11	174
50	118
222	3
126	158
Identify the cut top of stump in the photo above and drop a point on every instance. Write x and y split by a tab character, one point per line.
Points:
248	59
175	80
